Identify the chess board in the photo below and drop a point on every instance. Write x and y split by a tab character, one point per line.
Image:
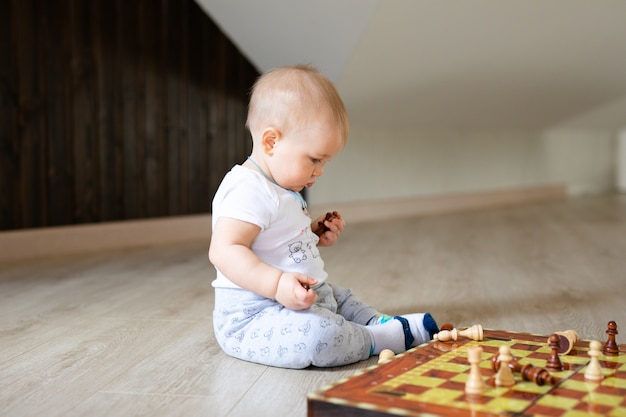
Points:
429	380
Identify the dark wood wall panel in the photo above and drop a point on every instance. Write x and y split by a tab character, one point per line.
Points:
115	109
8	119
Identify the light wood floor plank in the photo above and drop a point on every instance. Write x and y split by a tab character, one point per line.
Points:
124	286
147	405
54	377
291	387
130	332
191	366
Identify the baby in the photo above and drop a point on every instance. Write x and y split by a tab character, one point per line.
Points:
273	302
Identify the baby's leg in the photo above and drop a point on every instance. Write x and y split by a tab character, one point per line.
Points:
256	329
399	332
351	307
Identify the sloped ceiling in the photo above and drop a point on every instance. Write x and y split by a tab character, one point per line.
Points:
479	64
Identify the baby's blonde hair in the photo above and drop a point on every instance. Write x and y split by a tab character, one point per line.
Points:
284	97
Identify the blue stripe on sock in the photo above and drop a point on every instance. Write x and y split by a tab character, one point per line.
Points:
408	336
430	325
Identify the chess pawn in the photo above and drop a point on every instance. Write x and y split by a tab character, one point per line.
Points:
385	356
475	332
594	370
446	335
537	375
610	347
567	340
504	376
528	371
554	363
474	384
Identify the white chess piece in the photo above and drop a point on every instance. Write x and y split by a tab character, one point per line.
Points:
474	383
385	355
504	376
594	370
446	335
474	332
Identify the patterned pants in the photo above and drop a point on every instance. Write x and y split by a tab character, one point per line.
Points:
330	333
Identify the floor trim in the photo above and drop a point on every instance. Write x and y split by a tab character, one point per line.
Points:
450	203
67	240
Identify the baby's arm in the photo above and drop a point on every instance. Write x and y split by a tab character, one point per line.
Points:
230	253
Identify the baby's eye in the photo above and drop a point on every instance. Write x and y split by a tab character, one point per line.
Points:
315	160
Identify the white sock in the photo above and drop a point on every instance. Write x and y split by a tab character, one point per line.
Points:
388	335
391	334
416	323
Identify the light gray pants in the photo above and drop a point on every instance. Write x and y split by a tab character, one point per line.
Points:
330	333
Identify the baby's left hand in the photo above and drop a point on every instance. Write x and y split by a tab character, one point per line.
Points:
329	227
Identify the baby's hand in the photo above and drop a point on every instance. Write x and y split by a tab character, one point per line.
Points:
329	227
294	291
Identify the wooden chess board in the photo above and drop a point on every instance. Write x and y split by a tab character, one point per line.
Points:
429	380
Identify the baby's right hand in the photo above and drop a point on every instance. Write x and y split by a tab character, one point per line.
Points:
294	291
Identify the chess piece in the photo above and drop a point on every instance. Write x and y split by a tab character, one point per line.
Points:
594	370
321	227
528	372
535	374
504	376
610	347
554	363
385	355
567	340
474	384
446	335
474	332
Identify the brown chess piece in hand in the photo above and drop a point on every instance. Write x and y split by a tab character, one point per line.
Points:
321	227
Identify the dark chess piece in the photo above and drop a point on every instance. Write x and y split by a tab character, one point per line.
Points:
535	374
529	372
554	363
610	347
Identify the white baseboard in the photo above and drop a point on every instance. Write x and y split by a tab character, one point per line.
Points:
450	203
67	240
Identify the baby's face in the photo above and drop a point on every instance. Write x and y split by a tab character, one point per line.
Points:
299	157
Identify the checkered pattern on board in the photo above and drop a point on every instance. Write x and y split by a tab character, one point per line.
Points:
441	381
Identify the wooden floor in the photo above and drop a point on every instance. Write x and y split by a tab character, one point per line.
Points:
129	333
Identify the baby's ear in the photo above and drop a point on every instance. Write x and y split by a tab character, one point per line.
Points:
270	136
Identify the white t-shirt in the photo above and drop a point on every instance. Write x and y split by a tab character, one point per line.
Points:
286	240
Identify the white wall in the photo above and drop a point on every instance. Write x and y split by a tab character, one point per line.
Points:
583	160
581	153
379	164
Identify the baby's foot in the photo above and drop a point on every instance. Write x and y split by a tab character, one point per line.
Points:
421	328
